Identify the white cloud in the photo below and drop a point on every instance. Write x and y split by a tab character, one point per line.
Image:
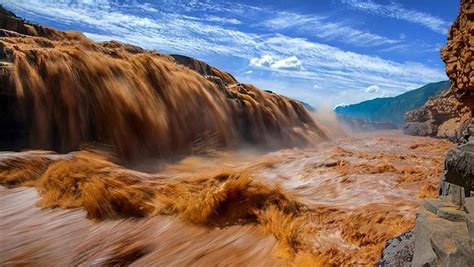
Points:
291	63
372	89
286	20
222	20
397	11
263	61
331	60
248	72
147	7
322	28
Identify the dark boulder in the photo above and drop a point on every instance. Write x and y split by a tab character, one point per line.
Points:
398	251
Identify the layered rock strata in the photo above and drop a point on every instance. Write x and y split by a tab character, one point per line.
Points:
444	116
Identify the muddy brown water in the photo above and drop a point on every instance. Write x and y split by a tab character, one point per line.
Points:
332	204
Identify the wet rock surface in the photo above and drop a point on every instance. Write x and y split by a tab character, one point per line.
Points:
459	167
398	251
445	226
444	234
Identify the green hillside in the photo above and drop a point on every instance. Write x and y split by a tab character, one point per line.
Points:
392	109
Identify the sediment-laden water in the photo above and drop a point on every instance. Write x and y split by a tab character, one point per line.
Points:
333	203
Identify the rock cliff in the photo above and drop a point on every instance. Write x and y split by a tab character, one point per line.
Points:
444	232
458	54
443	116
448	114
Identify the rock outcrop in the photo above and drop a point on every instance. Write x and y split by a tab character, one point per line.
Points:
444	232
61	91
443	116
398	251
447	115
458	55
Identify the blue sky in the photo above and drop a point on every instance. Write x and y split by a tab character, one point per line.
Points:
324	52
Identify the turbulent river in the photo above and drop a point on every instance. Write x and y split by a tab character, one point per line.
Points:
333	203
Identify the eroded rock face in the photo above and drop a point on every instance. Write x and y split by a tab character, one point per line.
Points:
459	51
444	116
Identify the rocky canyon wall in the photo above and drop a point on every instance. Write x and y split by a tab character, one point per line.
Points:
443	116
458	54
444	232
448	114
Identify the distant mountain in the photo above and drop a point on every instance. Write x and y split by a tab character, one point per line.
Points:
392	109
